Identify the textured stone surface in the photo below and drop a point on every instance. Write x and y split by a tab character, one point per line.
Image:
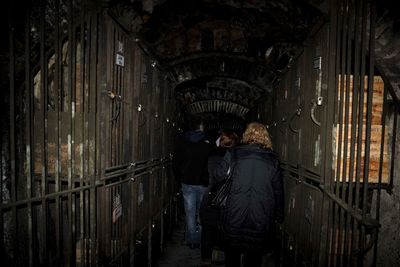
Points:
389	232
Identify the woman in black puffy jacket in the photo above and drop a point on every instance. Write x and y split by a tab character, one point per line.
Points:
255	200
209	216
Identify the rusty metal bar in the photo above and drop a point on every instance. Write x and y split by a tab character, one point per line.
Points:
87	32
120	120
114	87
71	240
355	235
47	197
355	213
12	145
117	104
112	228
106	68
121	87
86	42
57	87
28	136
328	182
340	67
133	167
394	137
338	212
345	74
118	115
81	132
355	28
371	72
43	119
131	178
378	192
92	133
108	234
103	155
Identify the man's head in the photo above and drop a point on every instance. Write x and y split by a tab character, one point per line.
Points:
196	123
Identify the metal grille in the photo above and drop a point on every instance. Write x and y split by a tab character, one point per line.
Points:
332	131
80	162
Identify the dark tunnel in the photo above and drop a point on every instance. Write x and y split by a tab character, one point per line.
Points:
95	95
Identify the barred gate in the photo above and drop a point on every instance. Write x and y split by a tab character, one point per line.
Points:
86	145
335	127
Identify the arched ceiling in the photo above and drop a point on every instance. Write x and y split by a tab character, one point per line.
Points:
225	55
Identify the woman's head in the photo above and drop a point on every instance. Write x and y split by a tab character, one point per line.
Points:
256	133
228	139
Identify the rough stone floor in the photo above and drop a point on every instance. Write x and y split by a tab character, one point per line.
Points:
176	254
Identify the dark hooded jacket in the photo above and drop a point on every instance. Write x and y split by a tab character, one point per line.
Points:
209	216
191	158
256	197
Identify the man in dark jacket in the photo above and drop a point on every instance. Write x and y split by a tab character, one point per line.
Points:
255	200
190	166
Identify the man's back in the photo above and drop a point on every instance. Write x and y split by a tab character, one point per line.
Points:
191	159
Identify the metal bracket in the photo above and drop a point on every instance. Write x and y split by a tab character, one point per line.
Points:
298	112
314	104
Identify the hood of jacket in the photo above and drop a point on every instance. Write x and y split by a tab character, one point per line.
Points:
194	136
248	149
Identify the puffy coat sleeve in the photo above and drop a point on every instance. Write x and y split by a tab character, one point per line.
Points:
277	185
223	166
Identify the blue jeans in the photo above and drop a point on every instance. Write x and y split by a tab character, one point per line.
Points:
192	196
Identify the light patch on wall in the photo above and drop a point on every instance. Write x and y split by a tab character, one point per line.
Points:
317	151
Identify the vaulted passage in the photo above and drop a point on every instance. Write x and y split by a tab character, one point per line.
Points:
95	94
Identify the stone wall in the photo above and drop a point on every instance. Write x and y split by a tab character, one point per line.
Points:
389	232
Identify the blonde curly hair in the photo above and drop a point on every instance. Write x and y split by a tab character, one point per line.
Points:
256	133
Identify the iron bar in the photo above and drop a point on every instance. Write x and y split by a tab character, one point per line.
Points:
355	27
134	169
12	144
43	119
47	197
394	140
87	32
327	136
28	135
71	247
355	230
112	228
342	101
381	156
368	121
340	62
58	89
92	134
81	131
113	111
121	107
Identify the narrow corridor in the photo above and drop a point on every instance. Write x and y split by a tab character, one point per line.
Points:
95	93
177	254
